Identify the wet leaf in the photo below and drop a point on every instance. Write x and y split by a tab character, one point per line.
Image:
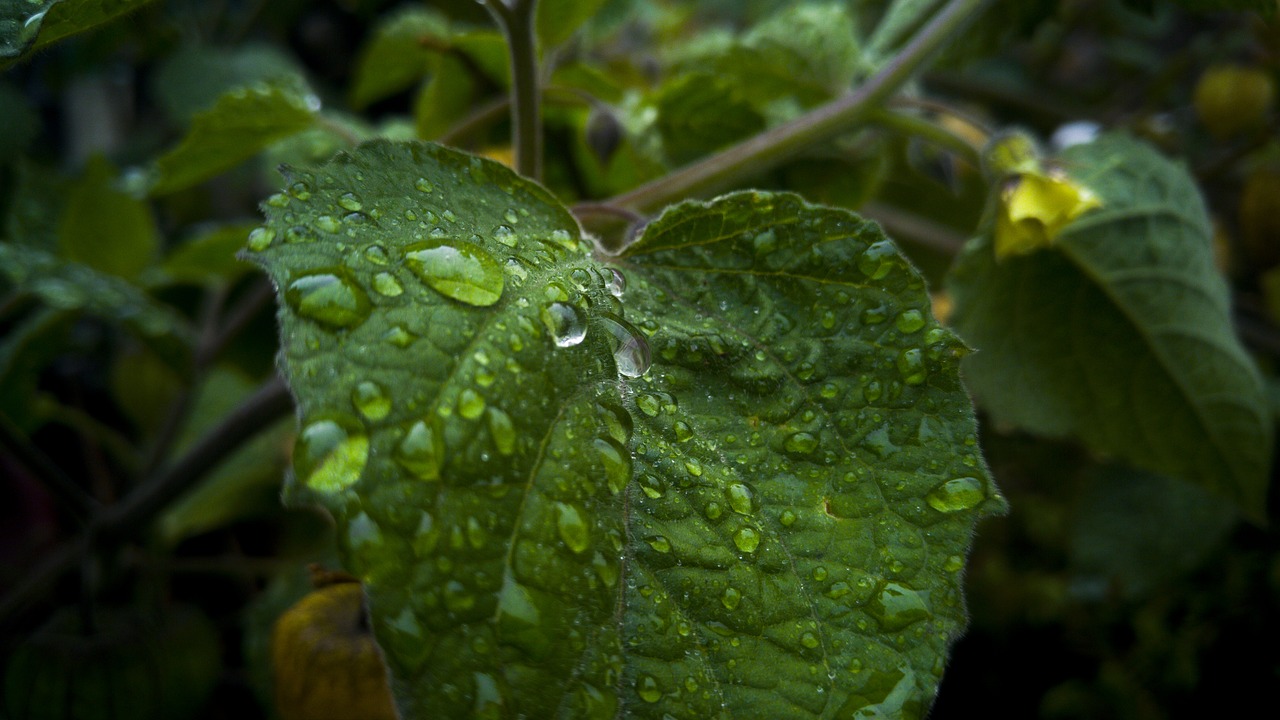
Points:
1121	333
28	25
732	473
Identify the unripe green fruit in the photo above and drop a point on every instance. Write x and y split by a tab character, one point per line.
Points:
1231	99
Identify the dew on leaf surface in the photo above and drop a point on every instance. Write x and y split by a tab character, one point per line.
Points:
572	527
747	539
371	400
630	349
261	238
565	324
387	285
956	494
460	271
330	454
420	451
502	430
328	298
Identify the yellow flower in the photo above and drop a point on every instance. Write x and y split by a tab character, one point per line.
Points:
1034	207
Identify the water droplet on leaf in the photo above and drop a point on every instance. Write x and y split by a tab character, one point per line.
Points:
957	494
460	271
564	323
329	299
330	454
420	452
572	527
371	400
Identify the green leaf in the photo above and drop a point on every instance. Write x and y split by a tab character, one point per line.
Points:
66	285
902	17
39	197
195	77
28	25
1134	531
237	127
444	99
1121	333
105	228
208	258
700	113
558	20
399	54
769	521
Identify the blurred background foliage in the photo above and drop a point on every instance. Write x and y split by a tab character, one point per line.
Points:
141	149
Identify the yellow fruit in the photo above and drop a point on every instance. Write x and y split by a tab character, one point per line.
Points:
326	664
1233	99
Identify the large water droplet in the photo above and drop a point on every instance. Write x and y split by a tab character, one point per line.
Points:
459	270
747	539
328	298
565	324
801	443
617	463
371	400
386	284
300	234
957	494
572	527
420	451
897	606
350	202
730	598
470	404
878	260
328	223
648	689
740	498
630	349
260	239
330	454
910	321
502	430
911	366
616	283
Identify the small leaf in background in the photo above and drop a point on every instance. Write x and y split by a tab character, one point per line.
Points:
1034	207
444	99
27	25
699	113
558	20
196	76
105	228
245	483
901	17
208	258
1120	334
734	473
399	54
1134	531
36	205
71	286
237	127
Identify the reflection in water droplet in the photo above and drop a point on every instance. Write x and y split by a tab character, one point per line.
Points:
459	270
910	321
260	239
617	463
572	527
386	284
565	324
376	254
911	366
330	454
502	430
371	400
648	404
648	689
470	404
897	606
328	298
420	451
350	202
878	260
683	432
801	443
617	282
630	349
505	235
809	640
740	498
747	539
957	494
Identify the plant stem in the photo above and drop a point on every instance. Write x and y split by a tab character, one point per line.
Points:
131	516
517	20
906	124
771	148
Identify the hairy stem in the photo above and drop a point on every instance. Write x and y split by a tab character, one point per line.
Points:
771	148
517	19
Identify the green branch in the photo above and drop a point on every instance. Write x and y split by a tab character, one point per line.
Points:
517	19
769	149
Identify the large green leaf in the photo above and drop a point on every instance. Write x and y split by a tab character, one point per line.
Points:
242	123
769	521
27	25
1121	333
398	54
